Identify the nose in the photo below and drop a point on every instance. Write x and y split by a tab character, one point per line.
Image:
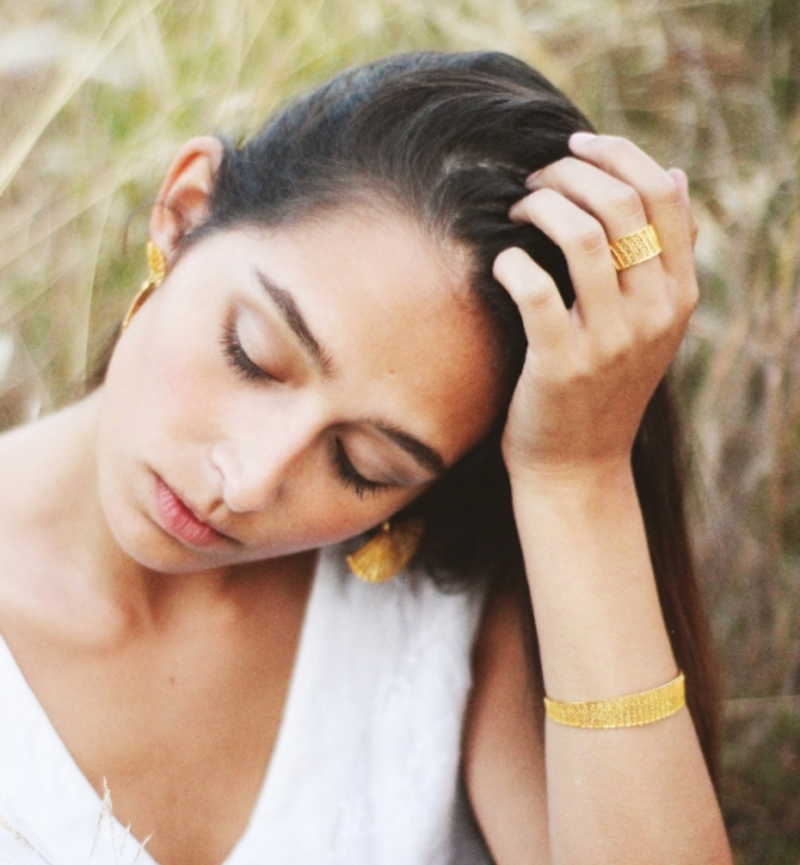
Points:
260	456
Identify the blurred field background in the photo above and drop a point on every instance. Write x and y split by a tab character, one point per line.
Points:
96	95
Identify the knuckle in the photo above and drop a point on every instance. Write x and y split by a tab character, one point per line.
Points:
580	371
694	228
628	204
620	349
613	346
690	298
661	320
620	148
538	294
557	168
567	373
590	239
684	290
667	194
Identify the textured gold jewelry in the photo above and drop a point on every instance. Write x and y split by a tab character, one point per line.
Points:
635	248
632	711
158	270
388	552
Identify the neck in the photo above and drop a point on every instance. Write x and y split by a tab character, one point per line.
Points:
51	466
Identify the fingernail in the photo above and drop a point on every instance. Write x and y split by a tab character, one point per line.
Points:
580	139
531	181
514	212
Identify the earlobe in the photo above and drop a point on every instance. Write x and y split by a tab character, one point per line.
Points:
182	202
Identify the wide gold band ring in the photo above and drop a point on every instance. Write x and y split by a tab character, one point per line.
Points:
635	248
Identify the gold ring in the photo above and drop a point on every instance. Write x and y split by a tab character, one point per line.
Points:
635	248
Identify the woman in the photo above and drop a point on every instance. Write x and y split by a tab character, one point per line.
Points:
399	302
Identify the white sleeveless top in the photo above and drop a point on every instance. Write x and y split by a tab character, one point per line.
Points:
365	769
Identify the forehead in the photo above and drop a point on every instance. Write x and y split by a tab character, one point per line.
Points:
395	312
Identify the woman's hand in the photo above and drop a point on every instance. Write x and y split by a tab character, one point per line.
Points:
591	369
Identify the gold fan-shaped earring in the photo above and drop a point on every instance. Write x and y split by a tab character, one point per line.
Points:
387	552
158	270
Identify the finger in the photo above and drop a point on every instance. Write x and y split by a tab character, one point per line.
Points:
544	316
688	292
659	191
615	204
584	242
682	182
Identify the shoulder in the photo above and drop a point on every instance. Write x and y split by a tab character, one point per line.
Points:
503	749
36	498
17	528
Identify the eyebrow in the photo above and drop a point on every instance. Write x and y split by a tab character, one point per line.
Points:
286	305
424	454
290	313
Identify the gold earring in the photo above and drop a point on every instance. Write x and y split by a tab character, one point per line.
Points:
388	552
158	270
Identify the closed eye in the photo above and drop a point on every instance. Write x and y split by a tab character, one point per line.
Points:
351	477
238	358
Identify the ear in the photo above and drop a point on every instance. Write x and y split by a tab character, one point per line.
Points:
182	202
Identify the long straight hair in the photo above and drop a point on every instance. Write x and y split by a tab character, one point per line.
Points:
448	139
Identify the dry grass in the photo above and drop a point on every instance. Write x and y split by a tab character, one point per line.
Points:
109	836
96	96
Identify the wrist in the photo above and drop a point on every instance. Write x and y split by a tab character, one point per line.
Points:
572	482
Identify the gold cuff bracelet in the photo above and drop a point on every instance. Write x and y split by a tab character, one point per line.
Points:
634	710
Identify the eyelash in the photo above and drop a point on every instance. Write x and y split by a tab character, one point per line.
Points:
238	358
350	477
243	365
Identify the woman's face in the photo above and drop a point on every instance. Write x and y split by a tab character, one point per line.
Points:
286	389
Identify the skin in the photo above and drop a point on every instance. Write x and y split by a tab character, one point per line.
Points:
182	686
641	794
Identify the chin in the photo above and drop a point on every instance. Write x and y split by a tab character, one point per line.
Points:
145	543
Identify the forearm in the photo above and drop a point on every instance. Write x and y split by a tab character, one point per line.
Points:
617	795
639	794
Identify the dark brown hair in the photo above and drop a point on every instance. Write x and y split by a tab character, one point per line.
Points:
449	140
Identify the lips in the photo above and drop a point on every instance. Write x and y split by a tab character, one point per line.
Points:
180	521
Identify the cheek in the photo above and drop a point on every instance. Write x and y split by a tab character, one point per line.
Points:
324	513
155	410
164	372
